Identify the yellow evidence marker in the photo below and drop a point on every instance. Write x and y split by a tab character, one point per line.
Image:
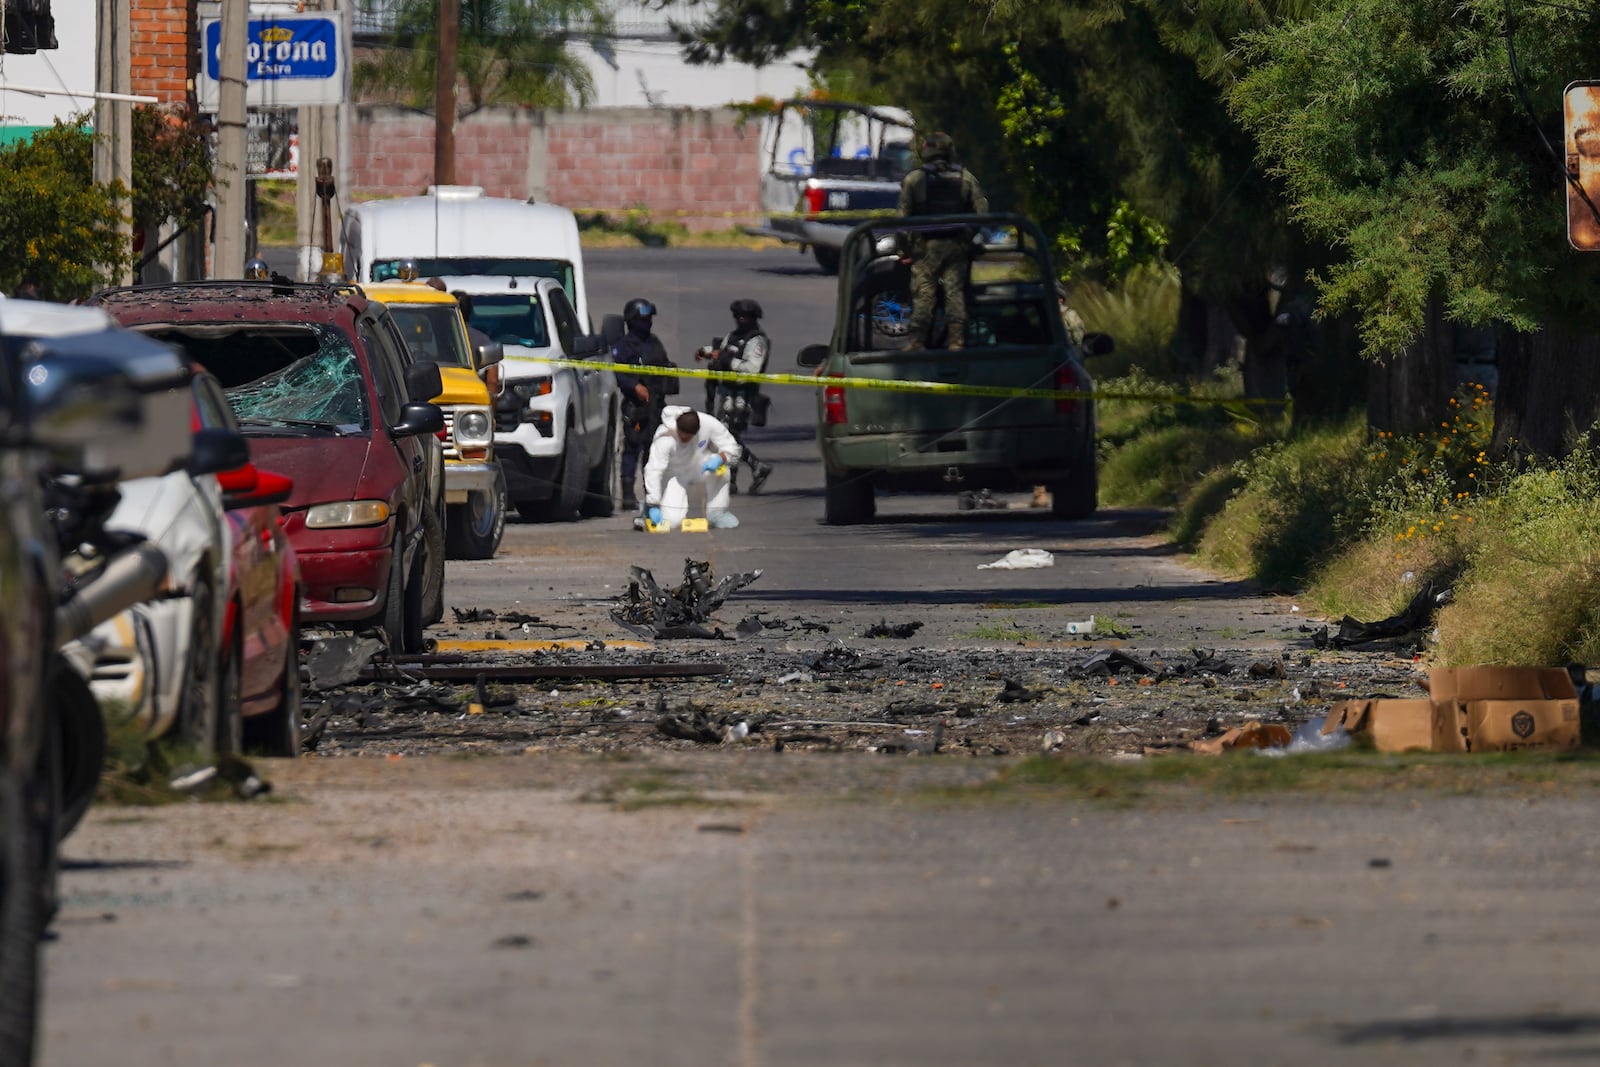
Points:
695	526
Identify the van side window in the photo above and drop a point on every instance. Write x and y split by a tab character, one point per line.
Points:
566	319
386	369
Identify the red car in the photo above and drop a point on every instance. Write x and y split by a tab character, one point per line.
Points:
261	623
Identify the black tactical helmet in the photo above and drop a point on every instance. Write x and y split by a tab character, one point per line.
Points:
745	309
938	145
638	308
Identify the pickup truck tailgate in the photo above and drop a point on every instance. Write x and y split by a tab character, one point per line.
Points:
872	411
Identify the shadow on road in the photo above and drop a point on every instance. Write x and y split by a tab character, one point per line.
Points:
1451	1027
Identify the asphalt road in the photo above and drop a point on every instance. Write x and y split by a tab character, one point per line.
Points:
732	905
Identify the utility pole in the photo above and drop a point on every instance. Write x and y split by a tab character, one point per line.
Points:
113	119
444	94
228	257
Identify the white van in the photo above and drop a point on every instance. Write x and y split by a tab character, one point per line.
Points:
455	230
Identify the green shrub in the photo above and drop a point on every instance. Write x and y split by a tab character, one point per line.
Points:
1141	315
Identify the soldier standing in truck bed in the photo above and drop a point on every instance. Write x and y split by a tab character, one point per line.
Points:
939	258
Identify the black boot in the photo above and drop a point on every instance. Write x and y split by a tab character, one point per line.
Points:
763	472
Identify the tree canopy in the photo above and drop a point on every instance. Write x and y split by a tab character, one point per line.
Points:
508	52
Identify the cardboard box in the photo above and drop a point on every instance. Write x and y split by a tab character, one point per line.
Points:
1471	709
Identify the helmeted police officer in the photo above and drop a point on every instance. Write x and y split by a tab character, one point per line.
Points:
643	395
941	186
739	404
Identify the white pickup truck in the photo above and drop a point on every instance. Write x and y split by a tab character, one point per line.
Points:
828	162
557	429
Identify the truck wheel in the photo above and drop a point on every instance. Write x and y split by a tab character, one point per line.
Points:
1077	497
605	479
827	258
568	495
847	498
82	748
473	530
890	312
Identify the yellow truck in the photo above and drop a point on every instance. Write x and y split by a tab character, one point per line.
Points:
475	487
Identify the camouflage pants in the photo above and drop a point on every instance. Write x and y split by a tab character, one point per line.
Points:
939	264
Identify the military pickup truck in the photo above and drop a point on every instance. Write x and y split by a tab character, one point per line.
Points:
949	440
827	161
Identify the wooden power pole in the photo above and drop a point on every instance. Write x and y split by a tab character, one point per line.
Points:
228	256
444	118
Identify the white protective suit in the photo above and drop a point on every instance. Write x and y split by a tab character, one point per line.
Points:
675	465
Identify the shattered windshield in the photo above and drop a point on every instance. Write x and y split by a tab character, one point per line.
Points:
433	333
511	318
290	378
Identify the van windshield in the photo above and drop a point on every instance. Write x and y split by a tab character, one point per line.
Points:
433	332
384	270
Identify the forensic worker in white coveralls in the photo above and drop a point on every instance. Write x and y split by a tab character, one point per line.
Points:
689	448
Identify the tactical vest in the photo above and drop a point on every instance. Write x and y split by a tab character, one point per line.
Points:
943	192
733	348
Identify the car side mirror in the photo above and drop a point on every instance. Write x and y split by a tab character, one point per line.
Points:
812	356
588	344
490	353
419	417
423	381
217	449
493	378
1097	344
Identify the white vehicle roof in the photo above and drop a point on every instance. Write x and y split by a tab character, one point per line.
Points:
460	221
39	318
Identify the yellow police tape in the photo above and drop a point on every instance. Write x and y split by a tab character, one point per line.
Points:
1239	405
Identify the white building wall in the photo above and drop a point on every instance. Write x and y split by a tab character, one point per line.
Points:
70	67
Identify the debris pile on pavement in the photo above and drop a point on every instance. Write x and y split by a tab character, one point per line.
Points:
681	612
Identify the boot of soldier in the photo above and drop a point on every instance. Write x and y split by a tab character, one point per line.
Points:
763	472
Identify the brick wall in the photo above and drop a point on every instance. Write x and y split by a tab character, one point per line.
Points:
701	167
163	44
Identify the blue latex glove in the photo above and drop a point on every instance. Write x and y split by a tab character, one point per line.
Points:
711	463
653	513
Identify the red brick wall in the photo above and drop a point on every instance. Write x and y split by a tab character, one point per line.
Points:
700	167
163	45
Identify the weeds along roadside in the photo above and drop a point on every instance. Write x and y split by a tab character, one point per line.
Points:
1355	523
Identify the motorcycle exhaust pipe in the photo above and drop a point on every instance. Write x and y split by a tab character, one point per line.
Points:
131	577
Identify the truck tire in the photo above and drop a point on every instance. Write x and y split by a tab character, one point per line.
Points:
827	258
568	495
473	530
848	499
605	477
1077	497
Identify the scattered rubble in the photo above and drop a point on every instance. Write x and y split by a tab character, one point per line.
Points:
681	612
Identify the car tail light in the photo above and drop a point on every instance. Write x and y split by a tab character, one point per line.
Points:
833	413
1066	381
816	198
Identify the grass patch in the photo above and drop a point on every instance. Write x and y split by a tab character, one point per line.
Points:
277	212
1175	778
1141	314
999	632
628	229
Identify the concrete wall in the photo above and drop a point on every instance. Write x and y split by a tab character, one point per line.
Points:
701	167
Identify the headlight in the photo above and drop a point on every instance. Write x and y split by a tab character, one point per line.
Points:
347	513
473	428
528	388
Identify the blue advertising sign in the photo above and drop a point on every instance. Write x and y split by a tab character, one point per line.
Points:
279	48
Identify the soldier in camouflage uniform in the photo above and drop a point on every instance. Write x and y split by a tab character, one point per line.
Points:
939	258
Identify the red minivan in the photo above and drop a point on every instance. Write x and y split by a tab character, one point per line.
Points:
318	379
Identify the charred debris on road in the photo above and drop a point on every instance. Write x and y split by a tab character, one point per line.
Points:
696	683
